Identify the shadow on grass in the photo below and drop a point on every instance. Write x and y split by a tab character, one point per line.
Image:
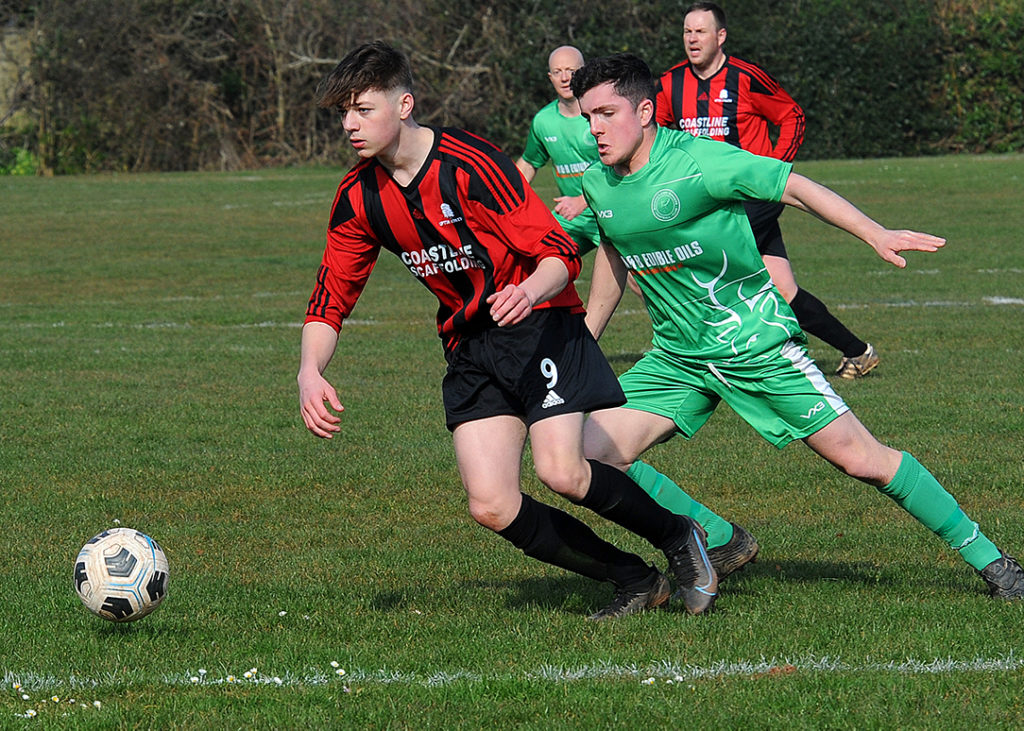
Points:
811	571
112	629
560	592
541	592
578	594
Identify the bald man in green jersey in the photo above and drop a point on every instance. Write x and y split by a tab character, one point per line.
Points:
670	211
560	134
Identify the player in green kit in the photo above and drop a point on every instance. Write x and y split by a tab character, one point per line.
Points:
559	133
670	211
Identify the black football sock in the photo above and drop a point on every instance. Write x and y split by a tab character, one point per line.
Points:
555	537
815	318
614	495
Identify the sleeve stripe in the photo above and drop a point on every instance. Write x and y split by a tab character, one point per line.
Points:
563	244
491	173
798	136
757	72
496	180
353	174
320	300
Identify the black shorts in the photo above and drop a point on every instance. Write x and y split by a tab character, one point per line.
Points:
764	222
548	364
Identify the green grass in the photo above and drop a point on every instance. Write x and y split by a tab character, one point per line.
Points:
148	350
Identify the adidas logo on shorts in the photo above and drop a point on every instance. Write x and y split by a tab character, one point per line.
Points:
552	399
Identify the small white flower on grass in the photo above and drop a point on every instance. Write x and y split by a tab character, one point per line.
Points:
202	672
334	664
649	681
282	613
278	680
231	678
16	686
55	698
24	696
194	679
679	678
30	713
339	672
97	704
117	521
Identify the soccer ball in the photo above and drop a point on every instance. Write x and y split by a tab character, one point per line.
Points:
121	575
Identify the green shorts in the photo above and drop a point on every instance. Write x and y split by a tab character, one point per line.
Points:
783	396
583	230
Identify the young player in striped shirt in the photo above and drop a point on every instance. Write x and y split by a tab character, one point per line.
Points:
521	362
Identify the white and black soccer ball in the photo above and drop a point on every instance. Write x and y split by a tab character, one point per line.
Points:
121	575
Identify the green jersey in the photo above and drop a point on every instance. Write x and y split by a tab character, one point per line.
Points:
568	144
566	141
680	227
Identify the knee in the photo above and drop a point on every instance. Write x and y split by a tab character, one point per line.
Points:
874	464
788	292
569	480
494	515
852	465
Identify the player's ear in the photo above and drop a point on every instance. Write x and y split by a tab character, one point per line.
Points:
406	102
645	110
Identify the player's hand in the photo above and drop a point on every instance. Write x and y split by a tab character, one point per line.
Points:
891	243
314	393
510	305
568	207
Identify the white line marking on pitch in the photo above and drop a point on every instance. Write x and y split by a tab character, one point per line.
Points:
985	301
666	671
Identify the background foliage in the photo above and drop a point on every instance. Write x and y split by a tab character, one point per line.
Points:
139	85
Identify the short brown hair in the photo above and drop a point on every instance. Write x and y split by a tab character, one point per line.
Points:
714	8
375	65
628	74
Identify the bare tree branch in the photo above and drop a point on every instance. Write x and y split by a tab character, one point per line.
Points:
302	60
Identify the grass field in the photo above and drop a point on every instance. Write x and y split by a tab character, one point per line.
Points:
149	332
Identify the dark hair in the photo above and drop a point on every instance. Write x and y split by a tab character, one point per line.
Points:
376	65
629	75
714	8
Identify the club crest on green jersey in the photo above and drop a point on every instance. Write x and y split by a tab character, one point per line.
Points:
665	205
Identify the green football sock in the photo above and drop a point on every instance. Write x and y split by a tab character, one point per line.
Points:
669	495
920	494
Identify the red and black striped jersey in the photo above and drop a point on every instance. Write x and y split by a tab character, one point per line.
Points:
466	226
734	105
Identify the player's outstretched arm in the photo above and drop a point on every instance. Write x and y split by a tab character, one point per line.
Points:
318	343
606	286
816	199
